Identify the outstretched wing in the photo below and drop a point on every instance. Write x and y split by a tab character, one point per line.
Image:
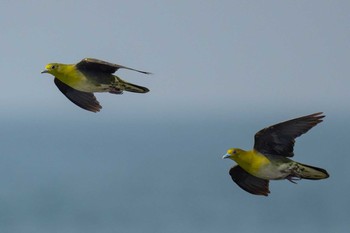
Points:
249	183
84	100
279	139
91	64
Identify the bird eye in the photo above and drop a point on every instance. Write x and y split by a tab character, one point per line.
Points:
234	152
53	67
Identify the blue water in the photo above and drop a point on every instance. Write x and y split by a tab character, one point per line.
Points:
161	175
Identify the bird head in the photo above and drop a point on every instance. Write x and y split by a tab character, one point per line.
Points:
52	68
232	153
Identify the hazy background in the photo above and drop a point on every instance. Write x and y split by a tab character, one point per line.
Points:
152	163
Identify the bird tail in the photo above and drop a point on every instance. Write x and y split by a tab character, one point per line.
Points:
304	171
132	87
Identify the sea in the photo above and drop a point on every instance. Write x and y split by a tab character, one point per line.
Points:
161	175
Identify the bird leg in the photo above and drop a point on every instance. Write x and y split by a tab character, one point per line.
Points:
115	88
115	91
294	171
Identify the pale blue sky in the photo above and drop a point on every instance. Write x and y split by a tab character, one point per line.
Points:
206	56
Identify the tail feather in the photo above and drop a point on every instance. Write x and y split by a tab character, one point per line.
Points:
304	171
125	86
135	88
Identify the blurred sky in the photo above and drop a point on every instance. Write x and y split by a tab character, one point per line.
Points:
206	56
222	70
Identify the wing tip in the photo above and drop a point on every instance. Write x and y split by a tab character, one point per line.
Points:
94	110
316	118
318	115
94	107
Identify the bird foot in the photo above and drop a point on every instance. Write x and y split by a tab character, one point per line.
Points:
293	179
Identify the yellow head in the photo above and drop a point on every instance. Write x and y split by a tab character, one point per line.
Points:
233	153
52	68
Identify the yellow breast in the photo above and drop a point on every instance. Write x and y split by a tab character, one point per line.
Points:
70	75
252	161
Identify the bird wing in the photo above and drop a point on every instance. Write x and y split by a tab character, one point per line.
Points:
84	100
249	183
96	65
279	139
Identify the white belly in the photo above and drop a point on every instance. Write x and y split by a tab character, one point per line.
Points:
273	172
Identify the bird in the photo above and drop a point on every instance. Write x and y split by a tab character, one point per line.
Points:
79	81
270	157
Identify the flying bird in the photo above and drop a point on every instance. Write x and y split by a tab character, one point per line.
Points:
269	158
79	81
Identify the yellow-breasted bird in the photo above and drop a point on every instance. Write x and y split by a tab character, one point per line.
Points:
79	81
269	158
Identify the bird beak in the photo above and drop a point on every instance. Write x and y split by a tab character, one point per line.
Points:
226	156
44	71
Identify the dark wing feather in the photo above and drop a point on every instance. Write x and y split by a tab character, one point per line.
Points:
249	183
279	139
84	100
91	64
